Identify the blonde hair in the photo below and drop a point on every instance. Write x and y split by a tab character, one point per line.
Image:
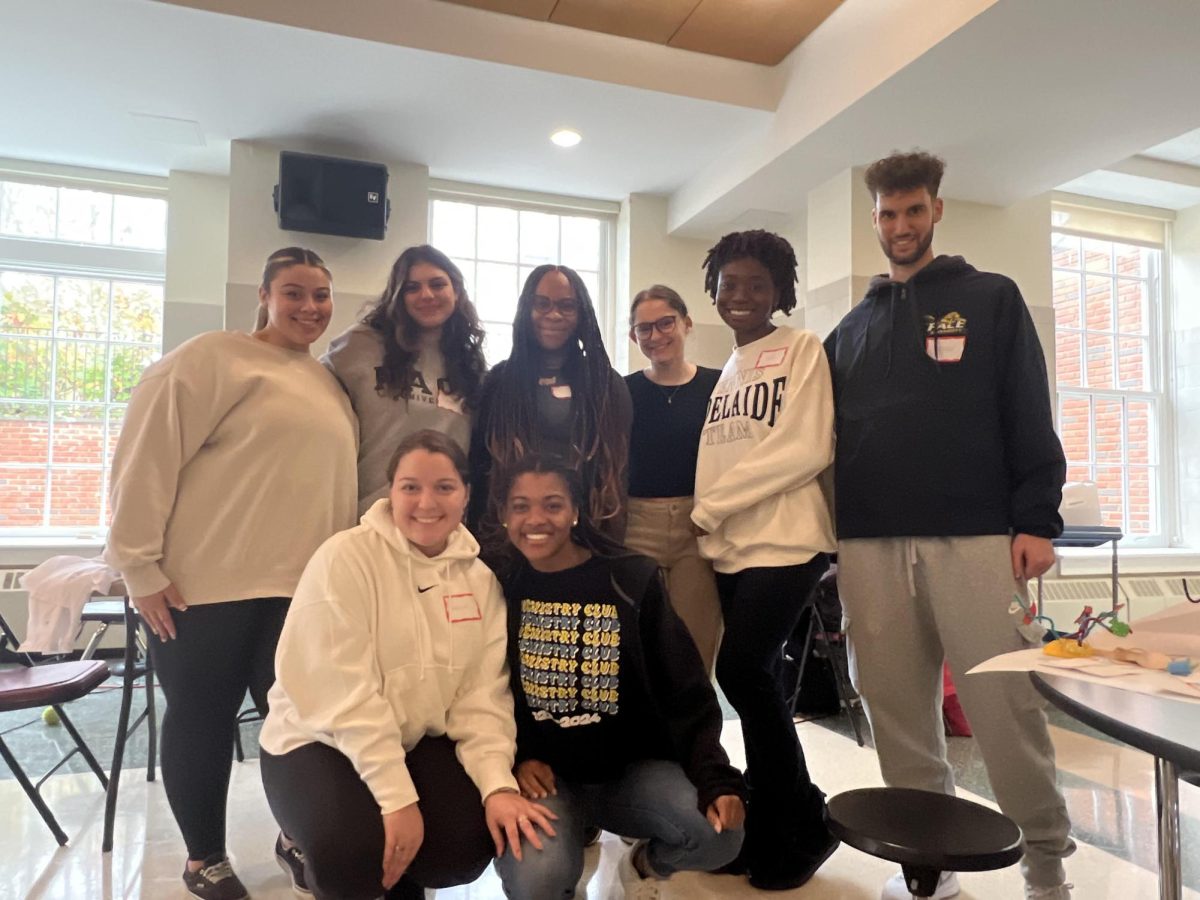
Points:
278	261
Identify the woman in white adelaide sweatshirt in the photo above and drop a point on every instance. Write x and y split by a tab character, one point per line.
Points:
764	521
388	751
235	461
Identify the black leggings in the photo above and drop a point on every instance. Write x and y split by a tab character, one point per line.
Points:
323	805
221	651
785	821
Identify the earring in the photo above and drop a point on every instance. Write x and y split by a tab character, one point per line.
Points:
504	525
576	522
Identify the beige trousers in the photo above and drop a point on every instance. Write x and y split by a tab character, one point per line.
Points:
661	528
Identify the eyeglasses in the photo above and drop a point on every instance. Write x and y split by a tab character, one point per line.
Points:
568	307
665	325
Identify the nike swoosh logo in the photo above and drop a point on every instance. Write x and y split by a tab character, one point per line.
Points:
421	590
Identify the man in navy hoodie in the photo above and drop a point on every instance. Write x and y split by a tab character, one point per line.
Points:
948	478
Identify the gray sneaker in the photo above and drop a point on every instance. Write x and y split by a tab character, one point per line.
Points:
215	880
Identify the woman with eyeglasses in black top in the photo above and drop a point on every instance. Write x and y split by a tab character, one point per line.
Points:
555	394
669	399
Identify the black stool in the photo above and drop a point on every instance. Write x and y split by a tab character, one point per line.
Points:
927	833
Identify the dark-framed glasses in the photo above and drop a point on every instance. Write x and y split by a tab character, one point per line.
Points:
568	307
665	325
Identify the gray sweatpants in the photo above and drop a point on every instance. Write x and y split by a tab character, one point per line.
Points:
909	603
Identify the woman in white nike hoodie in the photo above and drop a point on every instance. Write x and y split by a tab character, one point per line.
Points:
388	751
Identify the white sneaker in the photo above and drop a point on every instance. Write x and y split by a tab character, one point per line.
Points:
629	883
1058	892
896	889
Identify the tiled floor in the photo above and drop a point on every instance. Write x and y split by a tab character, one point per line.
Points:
1109	788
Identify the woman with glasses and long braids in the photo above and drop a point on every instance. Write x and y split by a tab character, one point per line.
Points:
413	361
235	463
669	400
764	520
555	394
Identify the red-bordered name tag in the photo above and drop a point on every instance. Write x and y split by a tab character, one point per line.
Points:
461	608
769	358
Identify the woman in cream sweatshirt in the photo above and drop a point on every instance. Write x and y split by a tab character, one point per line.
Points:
388	751
235	462
763	520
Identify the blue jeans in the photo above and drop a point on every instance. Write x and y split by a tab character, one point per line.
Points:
651	799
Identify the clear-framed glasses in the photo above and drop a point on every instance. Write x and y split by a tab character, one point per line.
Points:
665	325
568	307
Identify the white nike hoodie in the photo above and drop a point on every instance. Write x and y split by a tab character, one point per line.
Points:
382	646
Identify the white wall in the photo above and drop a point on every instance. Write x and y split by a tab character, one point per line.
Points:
197	256
655	257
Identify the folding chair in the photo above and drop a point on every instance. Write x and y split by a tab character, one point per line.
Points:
831	646
31	686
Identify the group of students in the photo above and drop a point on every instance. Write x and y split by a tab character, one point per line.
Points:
427	712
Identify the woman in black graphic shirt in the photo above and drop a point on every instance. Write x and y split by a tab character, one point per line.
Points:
617	723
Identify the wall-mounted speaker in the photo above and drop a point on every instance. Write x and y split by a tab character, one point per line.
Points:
327	195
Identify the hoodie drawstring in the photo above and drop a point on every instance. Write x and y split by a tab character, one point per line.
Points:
911	547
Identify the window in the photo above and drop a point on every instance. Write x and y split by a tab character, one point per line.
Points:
81	306
498	245
1107	360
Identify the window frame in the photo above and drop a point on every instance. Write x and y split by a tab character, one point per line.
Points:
1159	396
56	258
604	211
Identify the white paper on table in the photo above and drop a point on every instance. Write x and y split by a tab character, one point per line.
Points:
1114	670
1076	662
1143	681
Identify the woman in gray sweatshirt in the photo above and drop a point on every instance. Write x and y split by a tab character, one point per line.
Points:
413	361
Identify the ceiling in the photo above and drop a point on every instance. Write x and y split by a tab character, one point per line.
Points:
763	32
1013	92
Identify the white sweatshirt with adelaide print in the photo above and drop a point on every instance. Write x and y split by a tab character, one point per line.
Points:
767	440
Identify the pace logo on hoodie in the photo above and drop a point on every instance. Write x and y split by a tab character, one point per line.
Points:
946	338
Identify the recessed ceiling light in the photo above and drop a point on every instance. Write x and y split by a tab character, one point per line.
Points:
566	137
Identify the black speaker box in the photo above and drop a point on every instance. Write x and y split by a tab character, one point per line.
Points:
327	195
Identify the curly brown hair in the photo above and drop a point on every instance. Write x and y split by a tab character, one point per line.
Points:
905	172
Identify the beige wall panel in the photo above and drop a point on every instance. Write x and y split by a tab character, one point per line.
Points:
644	20
530	9
759	31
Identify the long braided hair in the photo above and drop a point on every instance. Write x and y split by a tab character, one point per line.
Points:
774	252
461	342
598	451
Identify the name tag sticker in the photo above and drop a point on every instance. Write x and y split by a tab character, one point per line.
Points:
461	608
769	358
560	391
946	349
450	402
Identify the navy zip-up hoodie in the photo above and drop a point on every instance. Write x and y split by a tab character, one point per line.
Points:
943	410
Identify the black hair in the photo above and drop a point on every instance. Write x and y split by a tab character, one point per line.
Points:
461	342
905	172
584	532
774	252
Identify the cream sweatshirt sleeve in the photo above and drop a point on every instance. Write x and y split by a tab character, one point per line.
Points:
327	665
798	448
480	718
172	412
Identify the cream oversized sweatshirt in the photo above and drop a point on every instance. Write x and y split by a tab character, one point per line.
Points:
235	461
382	646
767	439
